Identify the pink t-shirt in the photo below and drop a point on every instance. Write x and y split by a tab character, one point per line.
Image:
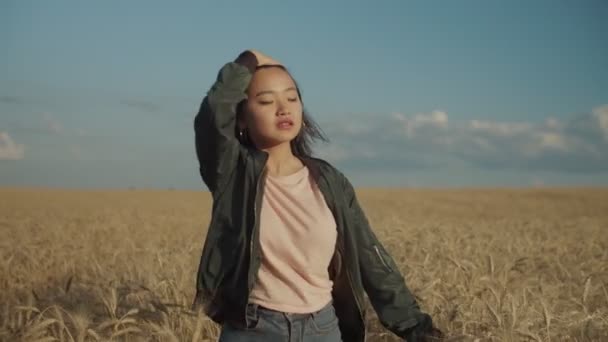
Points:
298	237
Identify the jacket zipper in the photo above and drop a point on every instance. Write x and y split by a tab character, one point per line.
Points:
253	232
348	275
352	289
350	283
255	218
382	259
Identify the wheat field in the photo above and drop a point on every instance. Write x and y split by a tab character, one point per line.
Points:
488	264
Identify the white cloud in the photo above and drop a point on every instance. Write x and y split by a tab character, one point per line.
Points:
9	150
540	142
51	123
554	141
553	123
483	144
601	115
503	129
576	144
434	119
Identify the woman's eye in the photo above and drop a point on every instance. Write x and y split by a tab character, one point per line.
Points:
265	102
293	100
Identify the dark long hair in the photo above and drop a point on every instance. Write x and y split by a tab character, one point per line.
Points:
310	132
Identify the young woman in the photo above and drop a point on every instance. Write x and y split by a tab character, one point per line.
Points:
289	254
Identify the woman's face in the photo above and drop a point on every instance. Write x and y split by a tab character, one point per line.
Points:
273	110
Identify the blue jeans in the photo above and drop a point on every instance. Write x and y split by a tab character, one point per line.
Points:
265	325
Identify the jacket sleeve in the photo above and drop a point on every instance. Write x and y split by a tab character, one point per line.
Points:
217	147
384	284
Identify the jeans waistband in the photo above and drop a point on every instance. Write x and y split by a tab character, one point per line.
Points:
253	308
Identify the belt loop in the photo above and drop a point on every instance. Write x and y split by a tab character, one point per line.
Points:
316	313
252	314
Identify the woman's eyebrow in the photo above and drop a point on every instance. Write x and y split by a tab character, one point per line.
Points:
272	91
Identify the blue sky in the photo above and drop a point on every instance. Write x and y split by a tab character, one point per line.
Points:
411	93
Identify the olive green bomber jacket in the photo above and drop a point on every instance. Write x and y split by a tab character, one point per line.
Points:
234	174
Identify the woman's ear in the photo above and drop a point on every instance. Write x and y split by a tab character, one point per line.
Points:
241	133
241	125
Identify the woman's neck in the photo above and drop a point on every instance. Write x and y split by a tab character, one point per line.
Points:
281	160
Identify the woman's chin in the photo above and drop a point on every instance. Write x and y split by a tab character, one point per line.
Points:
280	140
284	137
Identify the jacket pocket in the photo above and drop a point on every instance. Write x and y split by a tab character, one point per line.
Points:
382	258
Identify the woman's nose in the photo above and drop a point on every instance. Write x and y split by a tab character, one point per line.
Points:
283	109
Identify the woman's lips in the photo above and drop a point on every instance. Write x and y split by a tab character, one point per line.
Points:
286	124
